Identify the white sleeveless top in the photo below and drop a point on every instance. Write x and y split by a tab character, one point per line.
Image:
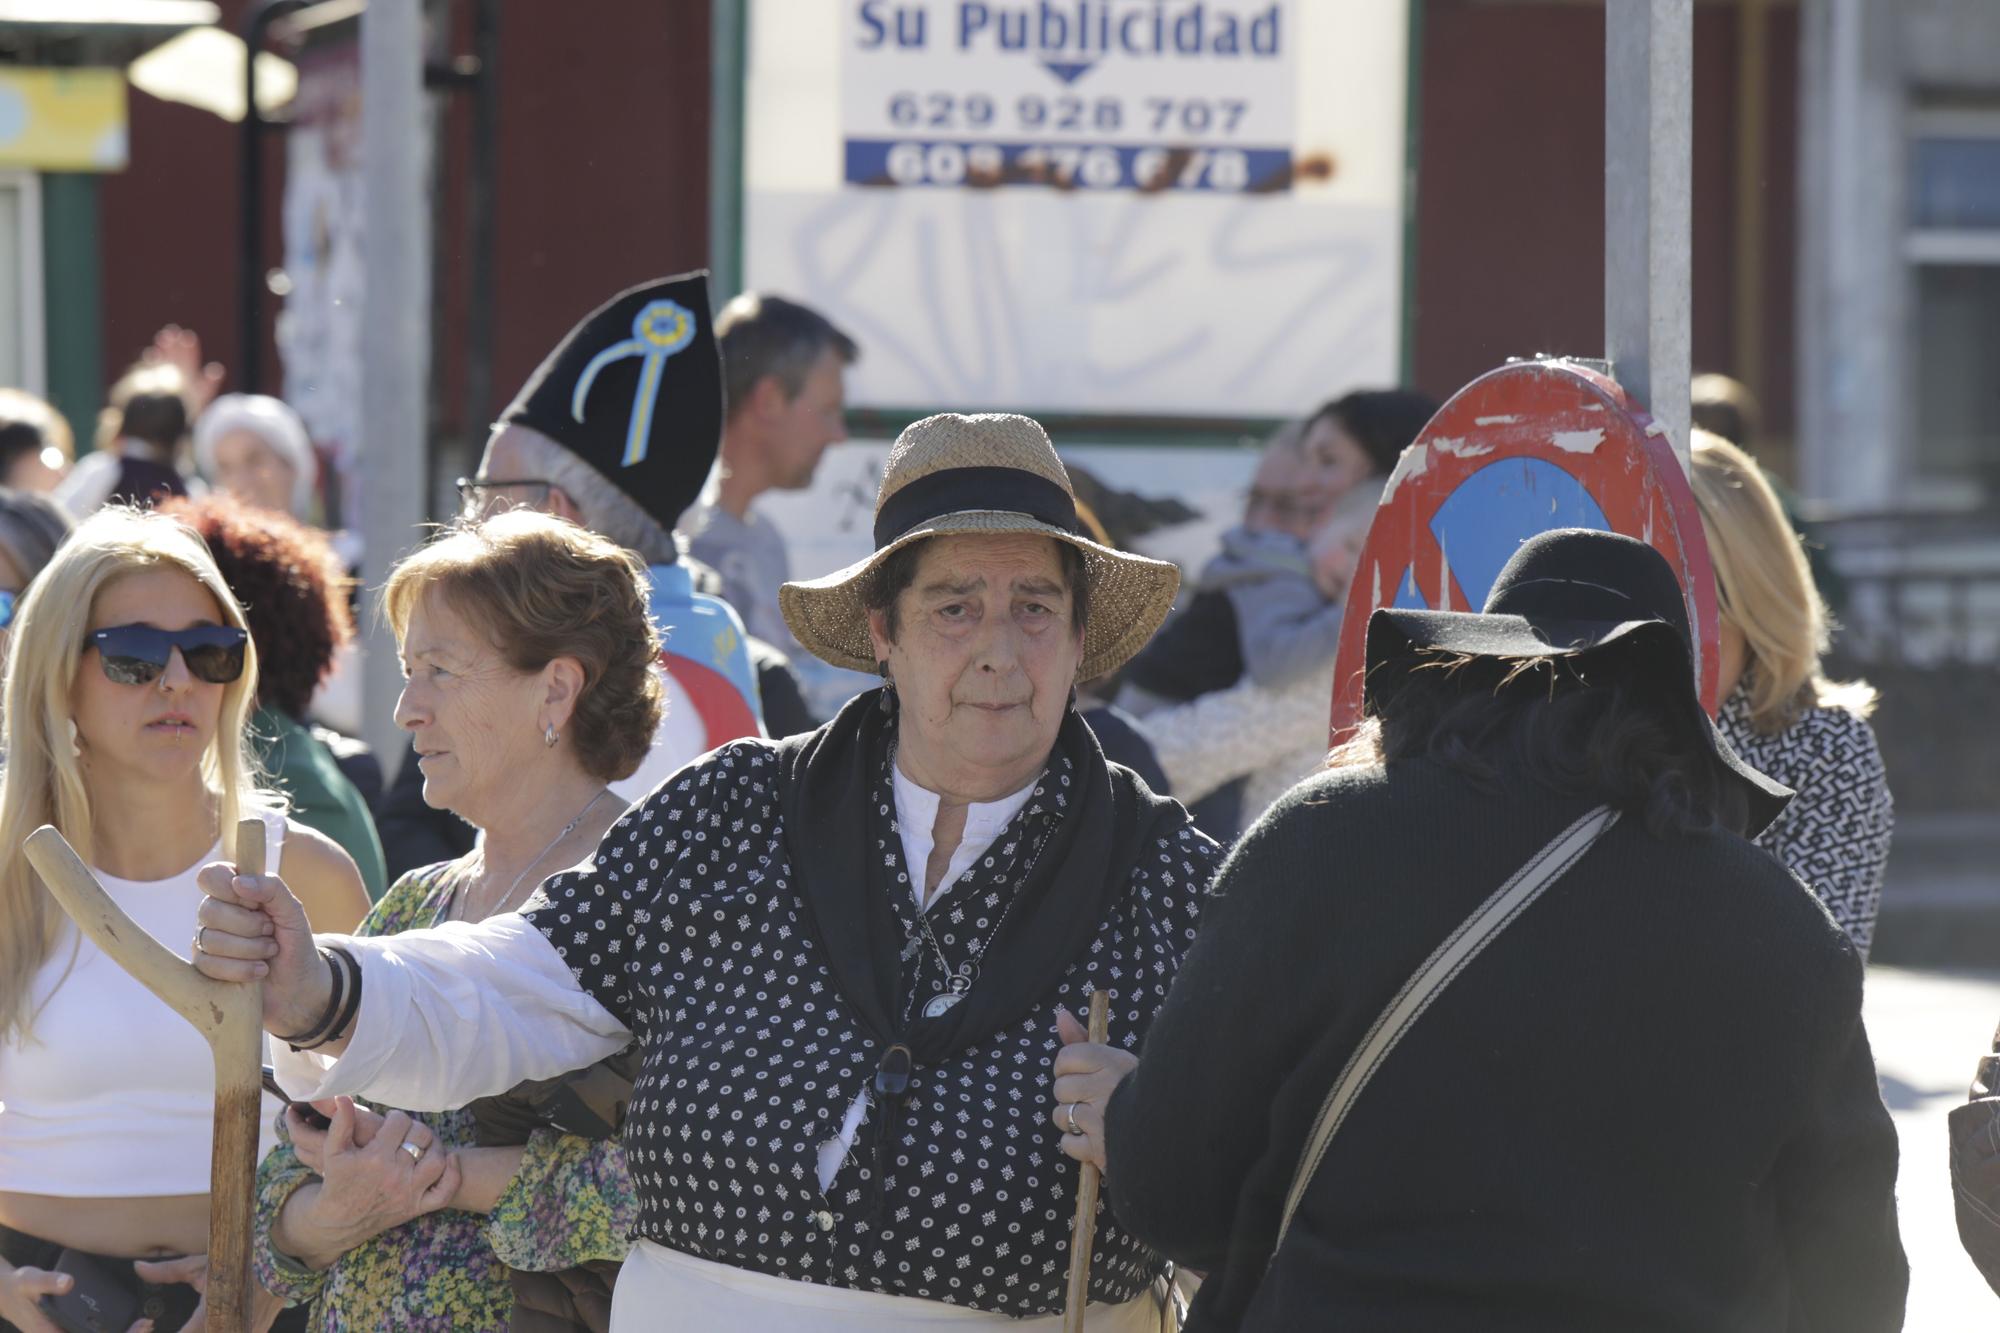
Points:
114	1094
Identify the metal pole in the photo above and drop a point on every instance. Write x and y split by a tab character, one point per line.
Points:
394	330
1648	157
728	30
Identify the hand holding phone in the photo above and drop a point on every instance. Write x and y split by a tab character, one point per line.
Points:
100	1298
307	1111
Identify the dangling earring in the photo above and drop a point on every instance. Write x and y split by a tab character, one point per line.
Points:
75	741
887	701
549	736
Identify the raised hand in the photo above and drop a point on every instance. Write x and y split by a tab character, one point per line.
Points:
181	349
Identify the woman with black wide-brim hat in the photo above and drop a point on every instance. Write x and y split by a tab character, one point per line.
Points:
1502	1024
845	956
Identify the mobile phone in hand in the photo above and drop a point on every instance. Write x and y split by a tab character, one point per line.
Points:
100	1299
307	1111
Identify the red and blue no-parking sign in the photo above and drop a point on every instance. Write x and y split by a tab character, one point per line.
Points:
1523	449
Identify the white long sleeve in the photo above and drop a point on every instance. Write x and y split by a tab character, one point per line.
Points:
455	1013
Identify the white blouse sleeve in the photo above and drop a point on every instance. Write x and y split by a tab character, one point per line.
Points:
455	1013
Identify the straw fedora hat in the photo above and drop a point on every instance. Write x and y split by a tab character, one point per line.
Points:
997	473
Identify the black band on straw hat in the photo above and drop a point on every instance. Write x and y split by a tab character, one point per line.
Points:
955	490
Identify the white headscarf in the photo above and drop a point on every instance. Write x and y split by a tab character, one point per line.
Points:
271	421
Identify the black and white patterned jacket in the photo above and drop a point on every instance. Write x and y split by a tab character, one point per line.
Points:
1835	834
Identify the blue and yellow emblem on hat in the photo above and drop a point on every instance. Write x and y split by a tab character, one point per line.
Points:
635	390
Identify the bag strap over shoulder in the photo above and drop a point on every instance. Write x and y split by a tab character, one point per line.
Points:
1446	962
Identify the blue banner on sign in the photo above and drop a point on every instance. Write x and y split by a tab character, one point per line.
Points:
949	163
1481	524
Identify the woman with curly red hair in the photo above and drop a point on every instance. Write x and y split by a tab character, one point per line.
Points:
294	594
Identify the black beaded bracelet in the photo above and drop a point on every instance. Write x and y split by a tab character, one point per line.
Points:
316	1034
352	1006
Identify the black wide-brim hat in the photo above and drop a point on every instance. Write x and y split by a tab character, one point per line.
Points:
1573	593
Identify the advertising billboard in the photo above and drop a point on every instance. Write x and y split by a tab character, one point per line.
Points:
1119	208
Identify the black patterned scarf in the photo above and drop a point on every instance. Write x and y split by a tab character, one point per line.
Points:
828	799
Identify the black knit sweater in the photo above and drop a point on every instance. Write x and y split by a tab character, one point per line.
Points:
1650	1105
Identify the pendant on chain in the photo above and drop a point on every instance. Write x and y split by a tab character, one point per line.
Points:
941	1003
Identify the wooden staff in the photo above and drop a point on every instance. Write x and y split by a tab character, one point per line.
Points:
1085	1231
231	1018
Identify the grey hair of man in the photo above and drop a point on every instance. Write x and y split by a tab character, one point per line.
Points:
762	334
604	508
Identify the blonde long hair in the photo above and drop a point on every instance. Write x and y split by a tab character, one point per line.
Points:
43	782
1764	587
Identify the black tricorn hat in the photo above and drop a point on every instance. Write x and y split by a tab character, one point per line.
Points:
1571	593
635	390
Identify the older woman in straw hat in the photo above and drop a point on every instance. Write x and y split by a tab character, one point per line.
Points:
847	957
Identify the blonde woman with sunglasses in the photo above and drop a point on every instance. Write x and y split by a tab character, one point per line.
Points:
129	675
1779	709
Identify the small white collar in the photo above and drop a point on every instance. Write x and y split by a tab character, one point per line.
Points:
918	806
916	816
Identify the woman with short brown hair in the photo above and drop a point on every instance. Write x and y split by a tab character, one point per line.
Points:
529	653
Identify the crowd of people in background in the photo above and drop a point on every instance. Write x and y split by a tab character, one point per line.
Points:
846	783
1222	709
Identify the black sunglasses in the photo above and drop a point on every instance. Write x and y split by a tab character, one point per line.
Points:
138	654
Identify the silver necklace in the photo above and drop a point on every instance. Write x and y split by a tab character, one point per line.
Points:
554	842
958	981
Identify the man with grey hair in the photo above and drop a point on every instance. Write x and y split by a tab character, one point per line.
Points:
782	364
616	431
524	468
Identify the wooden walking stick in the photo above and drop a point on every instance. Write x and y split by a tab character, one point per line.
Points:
1085	1231
231	1018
